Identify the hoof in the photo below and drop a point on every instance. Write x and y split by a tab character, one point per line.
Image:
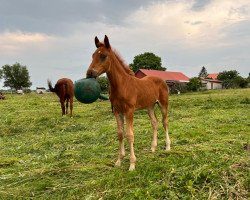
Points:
118	163
132	167
168	148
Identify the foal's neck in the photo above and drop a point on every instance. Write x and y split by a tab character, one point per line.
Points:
117	75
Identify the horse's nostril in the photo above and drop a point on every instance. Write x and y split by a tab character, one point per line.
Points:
89	74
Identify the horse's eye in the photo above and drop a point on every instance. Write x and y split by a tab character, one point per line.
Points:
103	57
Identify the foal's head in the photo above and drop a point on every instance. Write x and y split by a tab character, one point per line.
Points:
101	58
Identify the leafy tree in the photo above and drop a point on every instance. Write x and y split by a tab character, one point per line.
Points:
248	78
194	84
1	74
241	82
203	73
16	76
147	60
104	83
225	75
232	79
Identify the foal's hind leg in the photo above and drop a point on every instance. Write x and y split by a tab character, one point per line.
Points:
120	134
154	124
71	106
164	112
62	106
67	105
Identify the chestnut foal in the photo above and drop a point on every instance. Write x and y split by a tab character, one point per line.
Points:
127	94
64	89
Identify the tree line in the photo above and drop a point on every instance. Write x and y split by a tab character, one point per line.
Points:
229	79
17	77
148	60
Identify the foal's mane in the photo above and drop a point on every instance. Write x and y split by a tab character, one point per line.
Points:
122	62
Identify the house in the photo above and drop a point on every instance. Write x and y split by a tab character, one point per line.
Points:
40	90
212	76
176	80
167	76
211	82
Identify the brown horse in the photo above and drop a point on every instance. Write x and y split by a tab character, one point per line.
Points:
127	94
64	89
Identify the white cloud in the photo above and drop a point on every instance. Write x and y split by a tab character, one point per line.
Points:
15	43
185	38
174	21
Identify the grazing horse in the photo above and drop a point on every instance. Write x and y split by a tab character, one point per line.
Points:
127	94
64	89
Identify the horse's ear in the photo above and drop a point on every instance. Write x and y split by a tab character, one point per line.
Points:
106	42
97	42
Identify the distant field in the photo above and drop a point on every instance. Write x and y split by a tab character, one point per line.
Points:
46	156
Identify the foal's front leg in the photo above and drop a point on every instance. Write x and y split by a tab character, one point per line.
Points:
130	136
120	134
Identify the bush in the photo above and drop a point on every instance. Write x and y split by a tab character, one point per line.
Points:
194	84
27	90
241	82
232	79
177	87
104	83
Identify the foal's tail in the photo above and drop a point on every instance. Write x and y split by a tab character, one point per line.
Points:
50	86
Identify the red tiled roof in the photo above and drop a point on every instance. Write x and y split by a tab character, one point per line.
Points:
213	76
165	75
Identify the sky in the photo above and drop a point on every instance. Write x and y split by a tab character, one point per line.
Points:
55	38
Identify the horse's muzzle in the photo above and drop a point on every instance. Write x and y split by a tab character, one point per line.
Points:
91	73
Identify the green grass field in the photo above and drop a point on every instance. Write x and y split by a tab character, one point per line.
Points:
46	156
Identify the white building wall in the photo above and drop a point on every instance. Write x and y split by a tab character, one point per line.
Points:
211	85
217	86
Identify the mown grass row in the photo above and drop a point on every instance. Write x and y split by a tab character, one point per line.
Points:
46	156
